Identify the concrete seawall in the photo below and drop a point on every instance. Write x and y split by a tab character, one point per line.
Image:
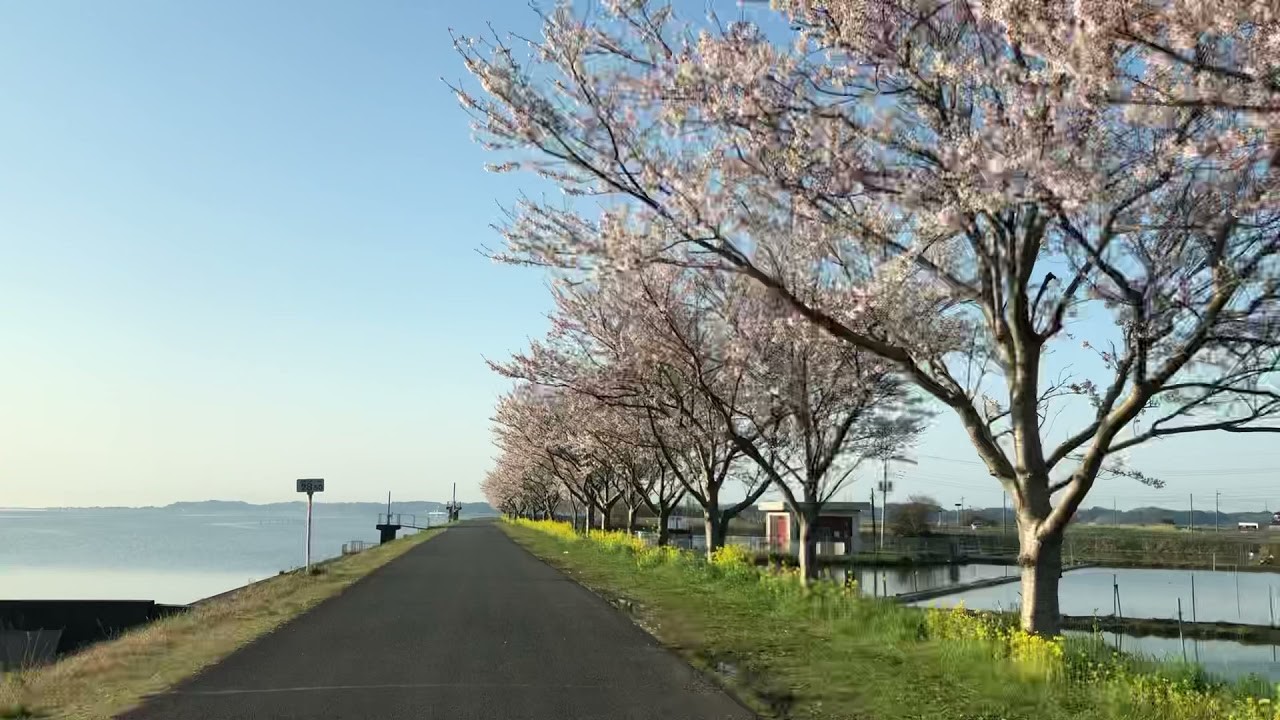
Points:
37	630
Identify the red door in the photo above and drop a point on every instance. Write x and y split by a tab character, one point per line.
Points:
780	532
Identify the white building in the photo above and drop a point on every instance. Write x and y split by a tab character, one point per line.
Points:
836	530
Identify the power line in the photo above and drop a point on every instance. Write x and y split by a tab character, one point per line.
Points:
1217	472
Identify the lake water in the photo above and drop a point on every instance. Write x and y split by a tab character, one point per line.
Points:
160	554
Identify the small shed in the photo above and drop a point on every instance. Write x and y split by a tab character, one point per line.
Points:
836	531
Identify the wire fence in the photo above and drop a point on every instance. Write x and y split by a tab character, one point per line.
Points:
355	546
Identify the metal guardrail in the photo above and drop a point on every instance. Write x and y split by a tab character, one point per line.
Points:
401	519
355	546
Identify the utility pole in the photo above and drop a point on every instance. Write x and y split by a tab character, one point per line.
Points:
874	536
884	500
1191	513
1004	512
1216	496
1115	514
959	507
885	488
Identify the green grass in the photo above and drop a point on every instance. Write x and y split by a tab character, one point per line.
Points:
1140	546
825	654
112	676
17	712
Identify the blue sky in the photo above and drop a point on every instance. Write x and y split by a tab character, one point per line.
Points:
238	245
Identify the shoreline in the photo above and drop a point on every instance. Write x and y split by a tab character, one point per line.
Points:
106	678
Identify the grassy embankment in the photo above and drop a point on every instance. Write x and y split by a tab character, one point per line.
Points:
1169	548
826	652
111	676
1116	546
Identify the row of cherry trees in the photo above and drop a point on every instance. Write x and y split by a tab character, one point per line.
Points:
949	189
663	383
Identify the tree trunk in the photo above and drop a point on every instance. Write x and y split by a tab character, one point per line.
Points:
591	517
808	545
631	519
664	533
574	506
1040	555
716	529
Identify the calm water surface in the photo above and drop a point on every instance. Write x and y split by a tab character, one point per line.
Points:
887	582
1223	658
159	554
1220	596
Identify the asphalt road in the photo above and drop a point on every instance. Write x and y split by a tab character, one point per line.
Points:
466	626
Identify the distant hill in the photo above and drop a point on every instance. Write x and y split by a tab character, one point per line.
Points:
1137	516
1158	516
475	509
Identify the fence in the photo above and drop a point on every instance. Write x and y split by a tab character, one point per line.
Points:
401	519
355	546
697	541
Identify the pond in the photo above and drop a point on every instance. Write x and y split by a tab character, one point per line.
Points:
1220	596
1224	658
890	581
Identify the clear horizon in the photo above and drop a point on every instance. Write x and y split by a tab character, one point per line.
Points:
240	248
231	502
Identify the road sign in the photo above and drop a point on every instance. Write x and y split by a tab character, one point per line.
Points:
310	486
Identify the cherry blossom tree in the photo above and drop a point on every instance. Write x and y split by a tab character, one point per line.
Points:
805	408
716	361
504	490
537	432
609	440
956	188
814	408
559	445
519	489
610	342
618	439
649	482
659	490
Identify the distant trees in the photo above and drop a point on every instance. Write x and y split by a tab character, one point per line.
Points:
914	517
970	518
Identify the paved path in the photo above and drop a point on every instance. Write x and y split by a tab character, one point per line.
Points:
465	626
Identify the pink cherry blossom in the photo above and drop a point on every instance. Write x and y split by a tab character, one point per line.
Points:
944	186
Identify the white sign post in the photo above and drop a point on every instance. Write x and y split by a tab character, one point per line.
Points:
310	486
